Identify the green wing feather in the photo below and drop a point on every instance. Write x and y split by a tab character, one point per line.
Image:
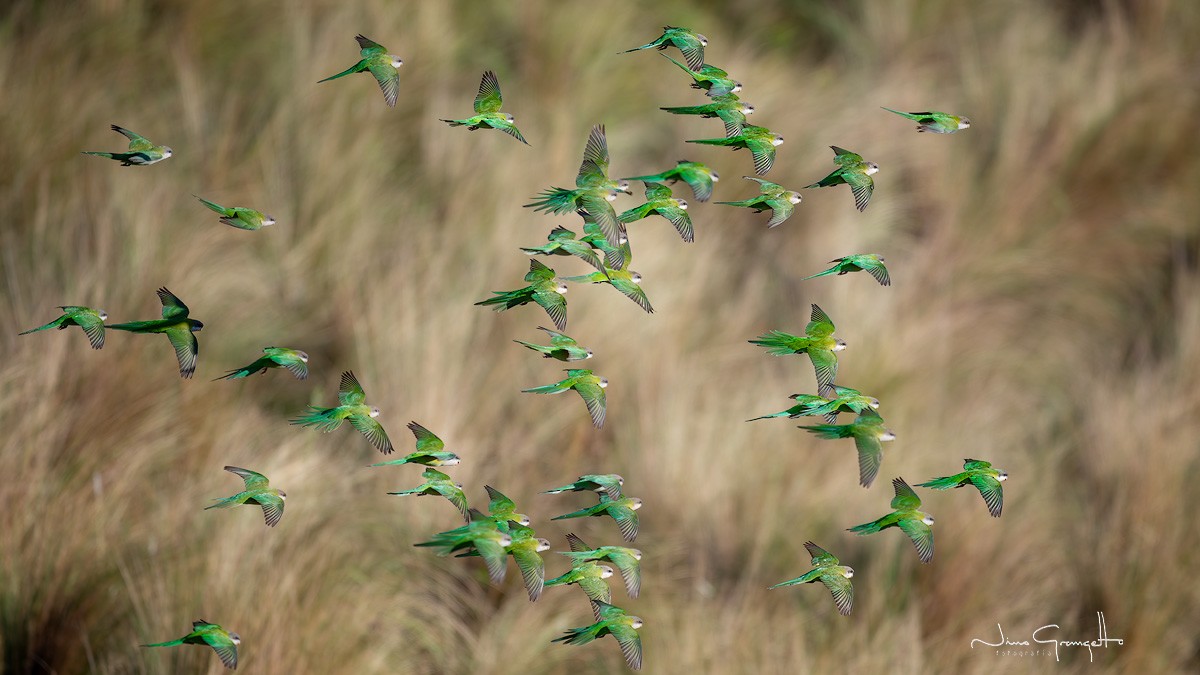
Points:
350	392
488	100
921	535
187	348
905	499
373	431
992	492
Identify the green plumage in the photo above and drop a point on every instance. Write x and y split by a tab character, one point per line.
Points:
239	217
543	289
626	559
781	201
351	407
699	177
294	360
562	242
690	44
223	642
868	432
853	171
906	516
176	325
589	387
142	152
712	80
615	622
484	535
871	263
661	202
381	65
487	110
624	280
980	475
561	347
828	570
594	190
818	342
608	483
90	320
438	483
806	405
430	450
934	121
622	510
258	492
760	141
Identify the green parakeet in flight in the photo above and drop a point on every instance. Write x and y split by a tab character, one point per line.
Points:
589	387
779	199
90	320
937	122
438	483
487	110
712	80
868	432
176	325
828	570
351	406
258	492
608	483
294	360
698	176
690	44
544	289
380	64
562	241
431	450
729	108
223	642
142	152
661	202
561	347
806	405
624	280
760	141
594	190
626	560
818	342
623	511
484	535
615	622
239	217
871	263
852	171
906	516
980	475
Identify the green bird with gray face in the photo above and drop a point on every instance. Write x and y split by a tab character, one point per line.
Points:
845	399
431	450
760	141
524	550
712	80
660	201
608	483
176	325
868	433
871	263
206	634
438	483
699	177
142	152
828	570
906	516
239	217
729	108
690	44
594	191
258	492
615	622
487	110
624	280
980	475
90	320
484	535
294	360
626	560
351	406
779	199
853	171
561	347
380	64
806	405
818	342
614	256
562	241
589	577
590	389
544	289
503	509
623	511
934	121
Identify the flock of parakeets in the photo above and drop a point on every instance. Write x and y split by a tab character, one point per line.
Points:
604	245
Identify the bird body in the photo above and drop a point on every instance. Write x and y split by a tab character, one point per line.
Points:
933	121
438	483
430	450
624	280
868	432
699	177
760	141
980	475
589	387
484	535
625	559
589	577
828	570
294	360
487	110
623	511
594	190
239	217
845	399
223	642
90	320
615	622
779	199
380	64
712	80
608	483
176	325
906	516
729	108
258	492
142	152
352	407
661	202
690	44
562	241
818	342
872	263
561	347
853	171
543	289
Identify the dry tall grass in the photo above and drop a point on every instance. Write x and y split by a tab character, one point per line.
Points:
1045	316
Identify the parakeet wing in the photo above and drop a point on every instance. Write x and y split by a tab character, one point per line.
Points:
488	100
272	506
577	544
223	646
992	491
842	590
494	557
595	153
862	186
631	643
368	46
594	398
819	324
373	431
136	143
350	392
820	557
627	521
595	588
389	80
845	157
781	210
186	348
555	305
93	326
427	441
921	535
633	292
825	365
456	496
764	154
876	269
870	456
533	571
172	306
905	499
499	502
253	479
631	571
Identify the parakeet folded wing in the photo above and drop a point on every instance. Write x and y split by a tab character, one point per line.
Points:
488	100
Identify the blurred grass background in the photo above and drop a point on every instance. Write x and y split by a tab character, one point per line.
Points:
1044	317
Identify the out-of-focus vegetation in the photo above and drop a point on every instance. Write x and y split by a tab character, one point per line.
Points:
1045	316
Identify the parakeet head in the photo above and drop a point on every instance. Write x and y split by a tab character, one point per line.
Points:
561	288
636	504
622	239
543	545
458	485
874	404
505	540
397	61
270	220
927	519
303	356
872	167
588	354
451	462
510	118
637	555
882	259
681	203
838	345
282	495
166	151
237	639
605	571
635	277
887	435
195	326
102	314
620	481
603	382
375	411
623	186
794	197
777	140
703	40
714	176
1003	475
635	621
963	122
523	521
746	109
737	86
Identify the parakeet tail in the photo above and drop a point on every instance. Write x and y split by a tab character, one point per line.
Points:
321	417
349	71
940	483
57	323
172	643
555	200
215	207
866	528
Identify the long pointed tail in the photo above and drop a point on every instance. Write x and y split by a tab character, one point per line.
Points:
829	431
172	643
767	417
555	200
455	123
57	323
688	110
638	49
536	348
866	528
109	155
546	389
318	417
349	71
900	113
821	274
224	503
710	141
214	206
944	483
